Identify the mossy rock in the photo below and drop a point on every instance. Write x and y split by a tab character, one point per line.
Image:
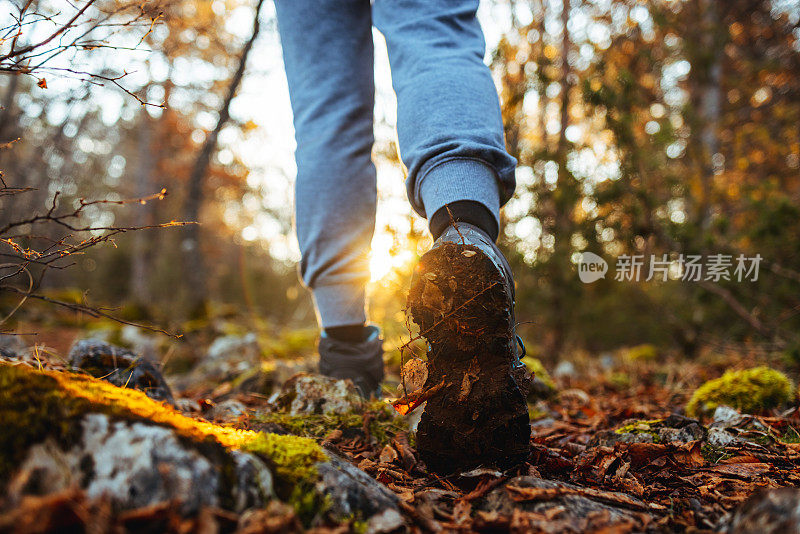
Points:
50	411
384	422
750	391
36	406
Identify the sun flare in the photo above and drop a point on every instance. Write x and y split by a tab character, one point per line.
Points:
385	257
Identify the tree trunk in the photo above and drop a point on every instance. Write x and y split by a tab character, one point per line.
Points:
194	262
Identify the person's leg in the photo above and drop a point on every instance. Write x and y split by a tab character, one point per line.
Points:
449	124
328	54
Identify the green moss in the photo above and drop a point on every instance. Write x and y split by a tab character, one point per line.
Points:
620	380
291	344
294	461
535	413
36	404
750	391
535	366
642	427
714	455
641	353
384	422
790	436
32	407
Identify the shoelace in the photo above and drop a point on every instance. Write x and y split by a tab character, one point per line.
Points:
522	347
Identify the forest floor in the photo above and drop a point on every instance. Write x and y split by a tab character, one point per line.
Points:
611	450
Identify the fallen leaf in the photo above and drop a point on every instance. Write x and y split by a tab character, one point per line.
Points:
388	455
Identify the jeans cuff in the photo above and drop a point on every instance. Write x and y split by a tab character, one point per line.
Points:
340	304
460	179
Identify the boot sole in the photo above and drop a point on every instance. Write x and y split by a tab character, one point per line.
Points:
479	417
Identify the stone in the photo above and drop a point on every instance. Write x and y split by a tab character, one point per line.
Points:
244	348
72	432
564	369
139	341
727	417
308	394
608	438
231	358
679	429
607	361
686	434
226	411
720	438
8	355
137	464
352	491
11	347
121	367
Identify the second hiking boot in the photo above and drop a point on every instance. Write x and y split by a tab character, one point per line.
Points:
462	299
361	362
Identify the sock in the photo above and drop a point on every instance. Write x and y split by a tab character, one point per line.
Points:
351	333
467	211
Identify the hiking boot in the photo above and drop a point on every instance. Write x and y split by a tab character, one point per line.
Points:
462	299
361	362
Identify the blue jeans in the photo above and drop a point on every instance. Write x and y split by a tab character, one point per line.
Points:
448	122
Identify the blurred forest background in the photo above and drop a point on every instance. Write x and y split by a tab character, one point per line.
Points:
641	127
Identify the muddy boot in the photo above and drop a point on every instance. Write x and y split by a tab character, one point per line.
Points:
462	299
361	362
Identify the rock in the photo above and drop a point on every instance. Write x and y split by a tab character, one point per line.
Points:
139	341
121	367
286	369
607	361
576	511
693	432
673	429
307	394
353	492
775	511
227	358
564	369
679	429
11	347
186	405
720	438
8	355
226	411
264	377
243	348
71	431
727	417
140	464
608	438
253	481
